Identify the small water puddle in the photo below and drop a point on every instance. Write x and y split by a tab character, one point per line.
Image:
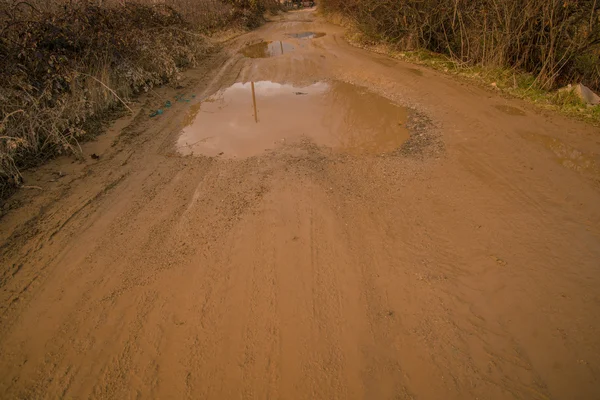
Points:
307	35
267	49
234	123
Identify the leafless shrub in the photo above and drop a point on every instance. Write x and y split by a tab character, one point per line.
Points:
556	40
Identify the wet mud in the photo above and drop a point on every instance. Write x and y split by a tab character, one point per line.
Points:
510	110
566	155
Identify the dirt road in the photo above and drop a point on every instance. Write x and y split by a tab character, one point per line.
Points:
391	232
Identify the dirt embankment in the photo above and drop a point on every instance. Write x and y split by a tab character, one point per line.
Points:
411	237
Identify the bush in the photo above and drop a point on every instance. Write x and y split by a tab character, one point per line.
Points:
556	40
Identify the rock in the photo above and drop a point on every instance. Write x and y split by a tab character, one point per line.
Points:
584	93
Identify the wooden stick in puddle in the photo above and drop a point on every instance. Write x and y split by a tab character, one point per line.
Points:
254	102
281	44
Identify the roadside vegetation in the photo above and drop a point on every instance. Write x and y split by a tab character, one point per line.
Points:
65	64
528	48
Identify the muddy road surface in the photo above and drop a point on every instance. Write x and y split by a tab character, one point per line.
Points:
308	220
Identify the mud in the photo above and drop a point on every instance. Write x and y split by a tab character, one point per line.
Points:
463	265
415	71
566	155
267	49
333	114
510	110
307	35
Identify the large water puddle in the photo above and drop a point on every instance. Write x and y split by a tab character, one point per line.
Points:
247	119
307	35
267	49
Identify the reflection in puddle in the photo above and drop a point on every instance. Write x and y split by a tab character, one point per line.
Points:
307	35
338	115
511	110
267	49
567	156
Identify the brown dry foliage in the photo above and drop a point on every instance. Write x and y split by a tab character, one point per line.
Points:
556	40
65	63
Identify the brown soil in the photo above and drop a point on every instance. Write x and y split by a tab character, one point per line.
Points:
463	264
